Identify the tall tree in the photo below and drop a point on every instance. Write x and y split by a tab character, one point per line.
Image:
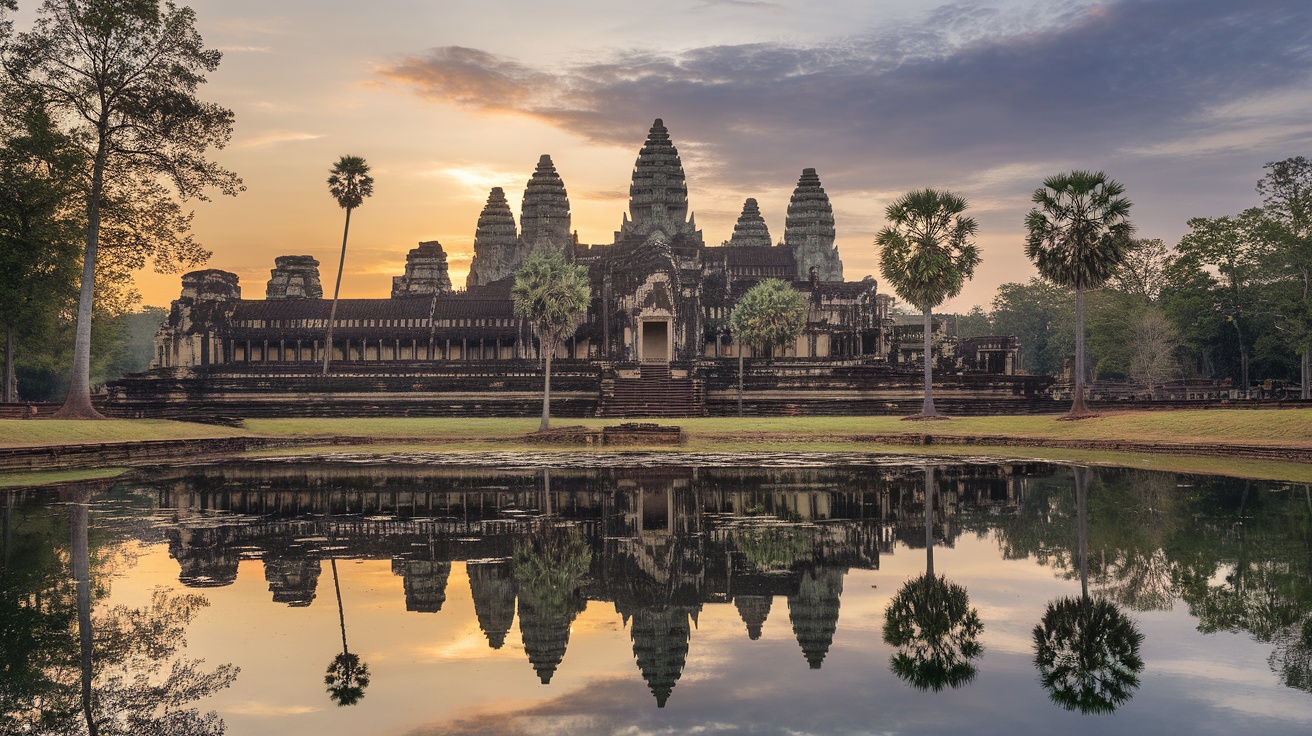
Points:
39	231
553	294
1233	246
122	76
1076	236
1143	273
771	314
349	183
346	676
1154	345
1287	224
927	256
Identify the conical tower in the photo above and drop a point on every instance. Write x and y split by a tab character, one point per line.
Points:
496	242
658	195
424	582
809	230
493	589
753	609
544	215
750	228
813	612
660	646
544	629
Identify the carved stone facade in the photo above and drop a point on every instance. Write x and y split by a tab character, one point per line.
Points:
294	277
425	272
809	230
496	242
750	230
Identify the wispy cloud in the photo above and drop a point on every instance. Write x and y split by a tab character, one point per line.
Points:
277	137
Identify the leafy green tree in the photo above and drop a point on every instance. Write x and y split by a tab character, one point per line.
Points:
975	323
349	183
1077	235
39	231
1143	273
1233	246
121	78
553	295
1039	314
1286	224
927	255
771	314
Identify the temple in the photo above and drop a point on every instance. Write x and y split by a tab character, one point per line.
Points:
661	302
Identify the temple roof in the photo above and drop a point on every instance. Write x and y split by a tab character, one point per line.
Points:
658	190
743	256
496	241
544	213
750	230
809	213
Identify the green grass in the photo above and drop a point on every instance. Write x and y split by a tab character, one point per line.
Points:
40	432
27	479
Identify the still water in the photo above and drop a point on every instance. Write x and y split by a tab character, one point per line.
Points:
803	595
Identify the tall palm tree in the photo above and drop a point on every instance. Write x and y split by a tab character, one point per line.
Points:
927	255
349	183
553	295
1078	233
347	676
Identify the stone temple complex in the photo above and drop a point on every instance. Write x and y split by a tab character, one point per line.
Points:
660	311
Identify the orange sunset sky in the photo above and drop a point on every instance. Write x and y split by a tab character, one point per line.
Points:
1182	101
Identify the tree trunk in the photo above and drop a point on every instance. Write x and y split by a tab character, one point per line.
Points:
740	378
81	562
929	520
1305	377
332	311
1082	513
10	393
1078	408
77	404
928	408
546	388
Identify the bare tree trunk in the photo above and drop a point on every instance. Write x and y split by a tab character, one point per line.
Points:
1078	408
929	520
1305	377
740	378
81	561
546	388
341	614
77	404
332	311
928	408
10	392
1082	513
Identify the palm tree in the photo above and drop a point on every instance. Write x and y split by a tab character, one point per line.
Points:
931	622
771	313
927	255
1077	234
349	183
553	295
347	676
1086	649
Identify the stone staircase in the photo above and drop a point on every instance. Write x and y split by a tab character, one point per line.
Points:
655	393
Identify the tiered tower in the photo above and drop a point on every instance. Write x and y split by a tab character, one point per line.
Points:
425	272
660	647
294	277
544	216
493	589
424	582
496	242
750	228
658	196
813	612
809	230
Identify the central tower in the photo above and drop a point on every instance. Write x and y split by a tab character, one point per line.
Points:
658	196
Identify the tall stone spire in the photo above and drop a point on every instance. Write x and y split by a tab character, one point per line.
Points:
809	230
544	216
496	242
753	610
493	589
658	196
813	612
660	646
750	228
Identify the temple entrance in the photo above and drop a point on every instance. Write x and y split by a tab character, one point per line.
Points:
655	341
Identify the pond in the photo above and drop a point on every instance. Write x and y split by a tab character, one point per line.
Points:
650	594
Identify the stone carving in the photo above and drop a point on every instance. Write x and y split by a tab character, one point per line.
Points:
750	228
809	230
658	195
425	272
496	242
294	277
544	215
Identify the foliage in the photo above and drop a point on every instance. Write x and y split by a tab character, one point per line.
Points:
346	679
550	569
1286	225
1039	314
775	547
937	632
552	294
349	183
120	77
1087	654
1143	271
975	323
771	314
1154	344
1079	230
927	254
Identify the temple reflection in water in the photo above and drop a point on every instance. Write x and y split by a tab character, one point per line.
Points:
658	543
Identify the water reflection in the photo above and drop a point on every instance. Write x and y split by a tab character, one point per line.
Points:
668	549
1087	650
931	622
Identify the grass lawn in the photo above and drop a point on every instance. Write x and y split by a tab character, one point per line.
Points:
41	432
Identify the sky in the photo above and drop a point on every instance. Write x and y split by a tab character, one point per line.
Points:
1181	101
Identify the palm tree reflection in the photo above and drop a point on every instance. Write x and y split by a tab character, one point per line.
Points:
932	624
1086	649
347	676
